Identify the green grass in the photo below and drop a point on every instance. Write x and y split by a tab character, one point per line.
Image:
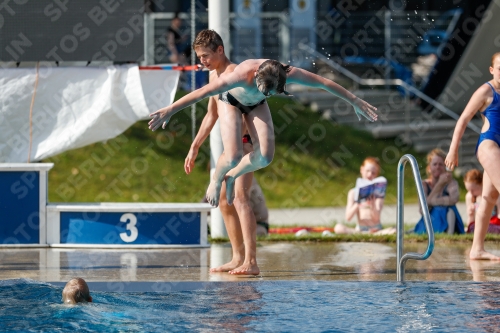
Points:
408	238
315	164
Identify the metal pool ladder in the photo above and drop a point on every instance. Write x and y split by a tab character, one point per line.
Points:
401	259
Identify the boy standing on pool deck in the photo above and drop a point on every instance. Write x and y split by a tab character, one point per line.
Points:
76	291
239	218
485	99
244	91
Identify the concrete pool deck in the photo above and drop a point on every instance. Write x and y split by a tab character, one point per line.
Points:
278	261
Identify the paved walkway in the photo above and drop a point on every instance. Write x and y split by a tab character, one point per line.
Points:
171	269
327	216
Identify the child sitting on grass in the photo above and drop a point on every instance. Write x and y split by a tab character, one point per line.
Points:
368	211
473	181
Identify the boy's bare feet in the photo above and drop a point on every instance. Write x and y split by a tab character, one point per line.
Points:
482	255
226	267
342	229
213	193
246	269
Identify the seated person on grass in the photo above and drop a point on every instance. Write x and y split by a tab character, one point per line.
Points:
473	181
367	211
441	192
259	208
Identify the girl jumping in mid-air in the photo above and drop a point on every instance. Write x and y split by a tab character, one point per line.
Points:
244	91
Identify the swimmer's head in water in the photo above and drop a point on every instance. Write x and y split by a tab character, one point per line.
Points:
271	77
208	38
76	291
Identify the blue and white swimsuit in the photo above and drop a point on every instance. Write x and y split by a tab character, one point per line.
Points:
492	113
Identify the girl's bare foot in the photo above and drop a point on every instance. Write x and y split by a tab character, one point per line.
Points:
246	269
213	193
226	267
482	255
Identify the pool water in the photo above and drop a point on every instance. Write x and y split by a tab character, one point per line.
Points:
260	306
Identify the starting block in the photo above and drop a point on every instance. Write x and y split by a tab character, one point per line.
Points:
28	220
141	225
23	199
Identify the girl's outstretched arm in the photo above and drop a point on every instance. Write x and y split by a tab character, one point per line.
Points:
477	102
220	85
306	78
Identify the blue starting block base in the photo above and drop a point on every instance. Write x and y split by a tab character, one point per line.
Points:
27	220
23	199
127	225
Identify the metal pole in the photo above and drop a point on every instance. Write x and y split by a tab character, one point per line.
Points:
401	259
400	227
218	20
387	52
148	39
407	116
193	62
284	38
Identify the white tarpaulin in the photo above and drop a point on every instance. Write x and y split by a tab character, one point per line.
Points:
74	106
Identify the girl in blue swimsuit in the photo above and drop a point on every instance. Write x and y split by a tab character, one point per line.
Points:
485	99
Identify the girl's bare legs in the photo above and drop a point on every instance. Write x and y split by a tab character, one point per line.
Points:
230	130
483	214
489	157
260	126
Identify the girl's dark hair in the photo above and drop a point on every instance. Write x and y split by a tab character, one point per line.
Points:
272	74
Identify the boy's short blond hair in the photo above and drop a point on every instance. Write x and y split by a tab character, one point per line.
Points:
208	38
76	291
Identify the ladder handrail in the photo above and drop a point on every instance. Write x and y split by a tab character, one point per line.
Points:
401	259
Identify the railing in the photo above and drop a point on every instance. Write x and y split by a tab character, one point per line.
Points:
401	259
383	82
333	31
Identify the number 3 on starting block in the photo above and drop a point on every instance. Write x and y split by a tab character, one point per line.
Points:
131	221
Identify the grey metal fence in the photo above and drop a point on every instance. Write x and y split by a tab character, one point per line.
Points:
381	34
